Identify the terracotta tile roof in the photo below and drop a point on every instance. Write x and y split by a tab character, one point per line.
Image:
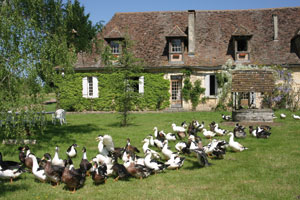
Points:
252	81
176	32
213	33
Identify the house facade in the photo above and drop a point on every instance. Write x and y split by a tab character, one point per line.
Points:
201	41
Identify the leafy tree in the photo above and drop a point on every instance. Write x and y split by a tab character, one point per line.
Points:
29	51
128	67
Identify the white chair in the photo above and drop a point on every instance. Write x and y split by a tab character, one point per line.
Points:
60	115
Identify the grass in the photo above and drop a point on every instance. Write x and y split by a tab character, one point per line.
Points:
268	170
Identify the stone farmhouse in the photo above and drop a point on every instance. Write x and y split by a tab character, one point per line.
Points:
201	41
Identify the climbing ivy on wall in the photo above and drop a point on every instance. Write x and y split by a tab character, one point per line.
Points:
156	93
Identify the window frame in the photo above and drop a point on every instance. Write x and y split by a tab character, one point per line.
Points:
176	49
115	47
207	81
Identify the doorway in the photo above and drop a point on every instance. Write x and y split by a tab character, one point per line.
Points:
176	87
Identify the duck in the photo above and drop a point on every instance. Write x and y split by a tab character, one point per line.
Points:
208	134
100	159
56	160
85	165
137	170
155	165
178	129
192	142
151	140
105	145
131	149
73	178
166	150
226	117
10	169
282	116
175	161
71	151
119	170
219	131
53	172
170	137
22	155
183	147
201	157
38	171
155	129
297	117
239	131
99	173
216	148
28	161
253	131
146	142
235	146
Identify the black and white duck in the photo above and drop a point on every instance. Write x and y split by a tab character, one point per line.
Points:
71	151
53	172
239	131
201	157
99	173
154	164
85	165
10	169
226	117
175	161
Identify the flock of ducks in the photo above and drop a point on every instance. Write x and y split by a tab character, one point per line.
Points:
158	155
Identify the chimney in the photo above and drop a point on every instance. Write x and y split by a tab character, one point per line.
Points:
275	24
191	33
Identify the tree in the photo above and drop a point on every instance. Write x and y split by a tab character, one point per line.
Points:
128	68
29	51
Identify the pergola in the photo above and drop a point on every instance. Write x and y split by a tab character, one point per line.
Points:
250	82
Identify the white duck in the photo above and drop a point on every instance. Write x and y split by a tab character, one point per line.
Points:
180	145
175	161
171	137
37	171
282	116
166	151
152	164
296	117
151	140
178	128
56	160
146	142
208	134
193	145
155	132
105	144
235	145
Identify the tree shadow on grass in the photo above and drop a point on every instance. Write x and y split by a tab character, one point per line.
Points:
64	132
6	187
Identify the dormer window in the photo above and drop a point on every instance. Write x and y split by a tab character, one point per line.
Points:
175	40
115	47
241	38
242	51
176	53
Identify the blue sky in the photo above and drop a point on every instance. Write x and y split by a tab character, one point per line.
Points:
104	10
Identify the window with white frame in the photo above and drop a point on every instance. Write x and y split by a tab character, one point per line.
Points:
115	47
210	85
137	84
90	87
176	46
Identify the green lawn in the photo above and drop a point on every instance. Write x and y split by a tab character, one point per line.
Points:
268	170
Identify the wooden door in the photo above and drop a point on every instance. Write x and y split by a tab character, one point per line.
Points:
176	86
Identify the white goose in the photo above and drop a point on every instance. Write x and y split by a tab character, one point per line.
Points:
37	171
208	134
56	160
235	145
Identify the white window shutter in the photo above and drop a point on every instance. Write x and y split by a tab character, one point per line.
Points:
85	87
206	81
141	84
216	86
95	87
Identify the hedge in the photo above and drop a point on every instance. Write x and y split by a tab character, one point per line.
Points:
156	92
